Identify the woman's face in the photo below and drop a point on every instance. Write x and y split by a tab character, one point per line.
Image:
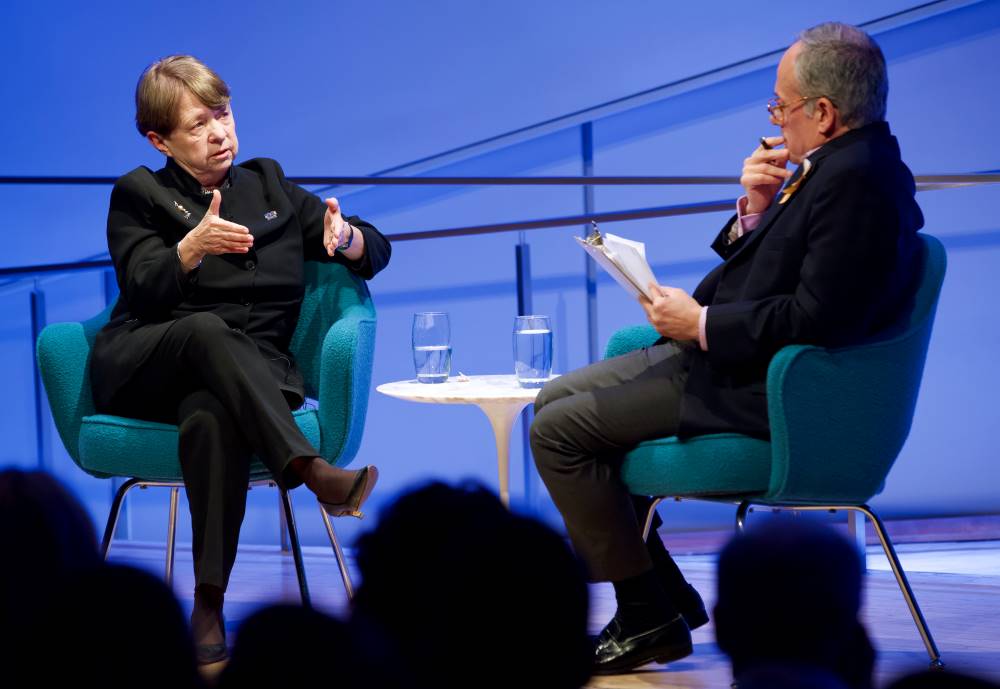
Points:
203	142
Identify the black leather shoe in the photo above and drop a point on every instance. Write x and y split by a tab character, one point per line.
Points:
692	608
616	653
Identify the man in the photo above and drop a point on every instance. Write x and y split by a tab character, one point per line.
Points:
829	261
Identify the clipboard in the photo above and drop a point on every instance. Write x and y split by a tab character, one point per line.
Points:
623	259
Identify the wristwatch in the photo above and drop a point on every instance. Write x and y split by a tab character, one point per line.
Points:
344	246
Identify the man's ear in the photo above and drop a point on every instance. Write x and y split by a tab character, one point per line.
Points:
158	143
827	117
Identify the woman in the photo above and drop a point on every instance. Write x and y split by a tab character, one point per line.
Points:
209	260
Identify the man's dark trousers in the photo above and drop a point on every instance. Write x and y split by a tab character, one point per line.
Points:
585	421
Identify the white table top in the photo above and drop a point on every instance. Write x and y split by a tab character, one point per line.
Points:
496	388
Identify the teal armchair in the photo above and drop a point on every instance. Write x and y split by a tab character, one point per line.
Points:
333	343
838	417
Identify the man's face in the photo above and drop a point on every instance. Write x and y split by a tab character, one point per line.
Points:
204	141
800	130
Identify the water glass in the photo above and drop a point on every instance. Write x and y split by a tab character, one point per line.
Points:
431	346
532	350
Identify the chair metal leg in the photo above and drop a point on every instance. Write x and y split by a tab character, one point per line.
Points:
293	535
741	516
171	535
283	526
338	553
116	508
648	526
856	529
890	553
904	585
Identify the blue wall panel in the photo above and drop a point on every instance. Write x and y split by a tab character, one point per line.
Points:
356	87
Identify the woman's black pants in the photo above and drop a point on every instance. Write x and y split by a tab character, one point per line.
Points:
216	385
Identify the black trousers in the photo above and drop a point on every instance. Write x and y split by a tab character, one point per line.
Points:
215	384
585	421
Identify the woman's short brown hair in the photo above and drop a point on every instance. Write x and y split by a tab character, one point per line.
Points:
160	88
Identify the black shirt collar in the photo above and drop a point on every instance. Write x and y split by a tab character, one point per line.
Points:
189	184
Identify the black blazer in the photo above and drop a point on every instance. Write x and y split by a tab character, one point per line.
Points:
831	266
258	293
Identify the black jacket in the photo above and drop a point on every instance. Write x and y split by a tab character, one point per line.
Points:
831	266
258	293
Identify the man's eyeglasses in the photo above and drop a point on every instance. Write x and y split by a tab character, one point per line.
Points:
779	111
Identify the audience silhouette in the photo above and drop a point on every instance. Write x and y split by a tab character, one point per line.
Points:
456	591
291	646
116	626
789	594
466	594
941	679
47	539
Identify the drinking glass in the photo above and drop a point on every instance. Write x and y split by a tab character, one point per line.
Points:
431	346
532	350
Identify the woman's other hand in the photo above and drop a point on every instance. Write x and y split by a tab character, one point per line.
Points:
213	235
333	226
337	233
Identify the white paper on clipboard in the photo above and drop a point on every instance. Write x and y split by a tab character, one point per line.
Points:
624	259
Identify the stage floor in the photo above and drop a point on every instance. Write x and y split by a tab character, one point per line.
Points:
957	584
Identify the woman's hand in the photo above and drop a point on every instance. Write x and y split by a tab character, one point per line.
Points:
336	231
213	235
334	228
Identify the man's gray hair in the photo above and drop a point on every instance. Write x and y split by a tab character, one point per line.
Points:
844	64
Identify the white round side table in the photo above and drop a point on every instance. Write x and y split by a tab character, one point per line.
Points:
500	397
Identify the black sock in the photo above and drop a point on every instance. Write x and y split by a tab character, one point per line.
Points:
642	602
669	574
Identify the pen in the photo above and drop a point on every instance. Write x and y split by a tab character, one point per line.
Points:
763	142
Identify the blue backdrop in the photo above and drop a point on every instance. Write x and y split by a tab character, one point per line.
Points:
354	88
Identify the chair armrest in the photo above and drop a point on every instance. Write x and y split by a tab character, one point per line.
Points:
345	382
63	355
629	339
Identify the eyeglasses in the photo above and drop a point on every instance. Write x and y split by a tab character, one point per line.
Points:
779	111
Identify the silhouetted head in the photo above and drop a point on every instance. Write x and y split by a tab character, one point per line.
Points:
790	676
292	646
941	679
790	592
45	535
115	626
467	593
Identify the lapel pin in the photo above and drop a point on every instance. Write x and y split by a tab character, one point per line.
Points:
270	215
184	211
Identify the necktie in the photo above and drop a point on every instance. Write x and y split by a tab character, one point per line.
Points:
793	185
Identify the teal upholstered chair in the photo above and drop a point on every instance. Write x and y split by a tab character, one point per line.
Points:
333	344
839	418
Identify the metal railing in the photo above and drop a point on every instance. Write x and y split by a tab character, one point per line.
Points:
924	183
